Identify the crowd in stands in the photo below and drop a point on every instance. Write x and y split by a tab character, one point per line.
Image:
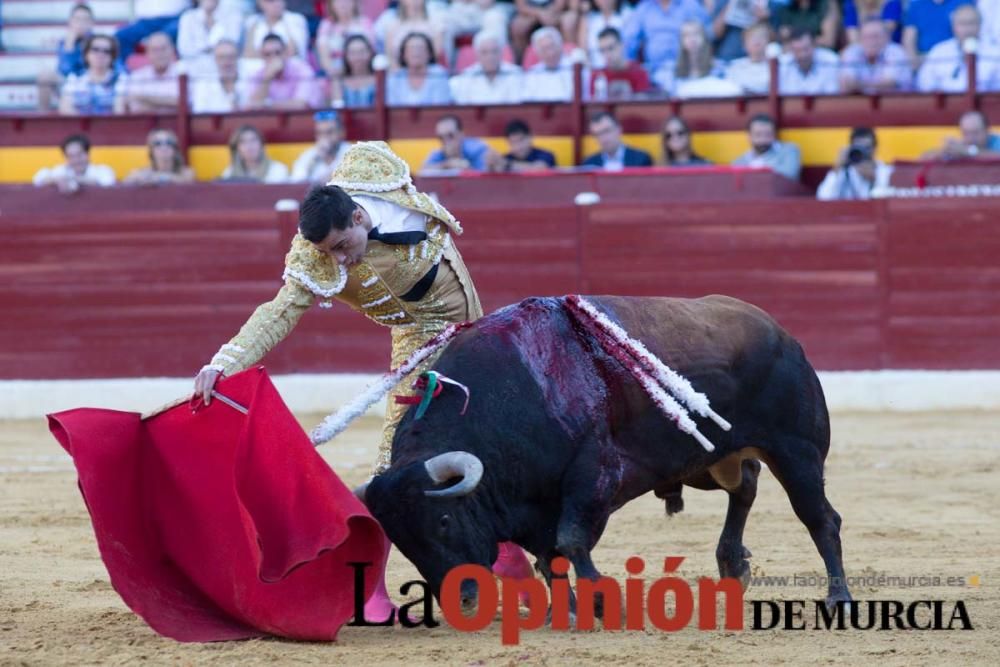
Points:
290	54
856	174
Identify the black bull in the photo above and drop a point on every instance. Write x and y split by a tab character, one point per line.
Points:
562	435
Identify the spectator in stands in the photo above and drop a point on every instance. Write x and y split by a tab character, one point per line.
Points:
806	69
523	155
200	29
223	90
94	92
307	9
926	24
976	142
284	82
317	163
153	88
767	151
730	22
989	10
412	17
598	16
77	170
275	19
420	81
677	150
614	155
889	12
356	86
622	78
819	18
696	73
531	15
944	69
459	152
151	16
248	160
551	78
856	173
655	29
166	162
69	53
874	64
468	17
752	73
490	80
343	19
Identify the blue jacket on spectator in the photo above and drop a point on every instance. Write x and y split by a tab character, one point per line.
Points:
657	31
932	21
473	150
71	59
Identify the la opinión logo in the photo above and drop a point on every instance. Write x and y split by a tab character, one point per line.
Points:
630	607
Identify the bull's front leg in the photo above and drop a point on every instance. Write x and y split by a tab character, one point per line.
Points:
586	506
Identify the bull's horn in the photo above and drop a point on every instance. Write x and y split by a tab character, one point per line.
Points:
360	490
443	467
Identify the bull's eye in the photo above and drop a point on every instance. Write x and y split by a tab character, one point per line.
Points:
443	523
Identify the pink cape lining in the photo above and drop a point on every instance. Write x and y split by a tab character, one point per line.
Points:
216	525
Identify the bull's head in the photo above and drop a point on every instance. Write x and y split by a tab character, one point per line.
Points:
432	513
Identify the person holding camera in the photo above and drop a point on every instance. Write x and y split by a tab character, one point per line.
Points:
856	172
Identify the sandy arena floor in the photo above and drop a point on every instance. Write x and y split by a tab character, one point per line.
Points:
919	495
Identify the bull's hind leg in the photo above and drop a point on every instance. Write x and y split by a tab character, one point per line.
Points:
738	477
798	465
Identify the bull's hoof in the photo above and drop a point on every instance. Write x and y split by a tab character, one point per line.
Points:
674	503
842	597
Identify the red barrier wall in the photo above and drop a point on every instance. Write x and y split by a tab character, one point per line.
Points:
155	282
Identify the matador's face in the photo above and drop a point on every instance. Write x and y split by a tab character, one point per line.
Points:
347	246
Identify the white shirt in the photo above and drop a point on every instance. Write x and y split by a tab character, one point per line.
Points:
208	95
291	26
821	79
990	11
473	86
753	78
848	183
102	175
147	9
944	69
545	85
308	170
615	162
389	218
147	82
277	172
195	41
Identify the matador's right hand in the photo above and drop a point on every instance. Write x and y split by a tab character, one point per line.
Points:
205	382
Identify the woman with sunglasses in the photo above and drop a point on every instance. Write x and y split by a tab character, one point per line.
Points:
166	162
677	150
100	89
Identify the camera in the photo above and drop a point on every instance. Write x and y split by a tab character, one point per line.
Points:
858	154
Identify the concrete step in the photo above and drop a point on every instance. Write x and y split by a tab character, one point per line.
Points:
40	37
25	67
57	11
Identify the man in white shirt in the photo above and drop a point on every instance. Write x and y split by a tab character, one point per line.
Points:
77	170
224	90
551	79
318	162
490	80
200	29
752	73
153	88
856	173
944	67
807	70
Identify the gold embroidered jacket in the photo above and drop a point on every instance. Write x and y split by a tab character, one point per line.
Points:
374	285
